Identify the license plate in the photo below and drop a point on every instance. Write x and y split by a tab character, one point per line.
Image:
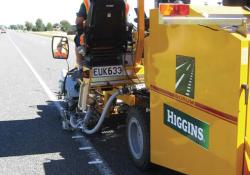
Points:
108	71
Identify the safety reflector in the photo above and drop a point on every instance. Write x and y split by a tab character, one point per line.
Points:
172	9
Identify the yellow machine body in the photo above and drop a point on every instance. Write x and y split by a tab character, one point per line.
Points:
198	106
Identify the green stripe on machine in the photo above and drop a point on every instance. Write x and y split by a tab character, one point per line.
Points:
186	125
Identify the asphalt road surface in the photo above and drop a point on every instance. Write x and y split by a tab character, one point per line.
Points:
31	138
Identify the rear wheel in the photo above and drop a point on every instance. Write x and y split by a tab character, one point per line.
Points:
138	137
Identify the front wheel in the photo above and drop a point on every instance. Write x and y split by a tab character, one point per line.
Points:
138	137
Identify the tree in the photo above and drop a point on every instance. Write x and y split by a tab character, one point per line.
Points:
39	25
65	25
20	27
34	29
49	27
28	25
13	27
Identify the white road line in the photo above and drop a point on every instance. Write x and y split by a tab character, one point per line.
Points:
104	169
77	137
92	154
188	67
179	81
94	162
181	66
85	148
45	87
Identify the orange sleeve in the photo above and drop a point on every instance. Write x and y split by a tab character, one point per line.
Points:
127	8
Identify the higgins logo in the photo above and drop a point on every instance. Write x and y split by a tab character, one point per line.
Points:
186	125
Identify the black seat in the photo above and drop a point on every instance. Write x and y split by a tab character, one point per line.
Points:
105	31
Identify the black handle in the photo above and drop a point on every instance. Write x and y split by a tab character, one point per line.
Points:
246	88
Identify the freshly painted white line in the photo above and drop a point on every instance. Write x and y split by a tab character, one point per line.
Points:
179	81
104	169
95	162
92	154
188	67
85	148
77	137
181	66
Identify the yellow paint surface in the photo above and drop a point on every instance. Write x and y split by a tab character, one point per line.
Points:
221	67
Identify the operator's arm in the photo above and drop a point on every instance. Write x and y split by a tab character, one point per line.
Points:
80	18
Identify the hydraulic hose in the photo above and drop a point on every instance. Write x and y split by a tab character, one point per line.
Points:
73	124
104	114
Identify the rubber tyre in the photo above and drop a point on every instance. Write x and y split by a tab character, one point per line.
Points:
138	139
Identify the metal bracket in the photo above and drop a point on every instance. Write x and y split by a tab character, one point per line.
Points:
246	88
240	22
203	20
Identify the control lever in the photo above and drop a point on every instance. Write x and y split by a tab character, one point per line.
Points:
246	88
246	7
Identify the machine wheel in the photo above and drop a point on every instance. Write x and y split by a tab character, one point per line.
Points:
138	137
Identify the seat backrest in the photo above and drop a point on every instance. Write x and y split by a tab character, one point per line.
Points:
106	26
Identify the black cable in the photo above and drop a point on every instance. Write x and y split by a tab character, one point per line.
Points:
209	28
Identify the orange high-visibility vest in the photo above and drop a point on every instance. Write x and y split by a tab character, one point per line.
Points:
127	8
59	54
87	6
82	40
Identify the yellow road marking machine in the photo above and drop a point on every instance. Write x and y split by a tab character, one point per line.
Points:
185	92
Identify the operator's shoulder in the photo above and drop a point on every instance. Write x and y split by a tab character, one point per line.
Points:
83	5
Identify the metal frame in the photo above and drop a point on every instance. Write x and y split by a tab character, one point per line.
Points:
141	30
202	21
242	24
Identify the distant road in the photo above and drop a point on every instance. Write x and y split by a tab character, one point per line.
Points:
31	139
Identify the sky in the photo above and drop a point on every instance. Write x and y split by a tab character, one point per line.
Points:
19	11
